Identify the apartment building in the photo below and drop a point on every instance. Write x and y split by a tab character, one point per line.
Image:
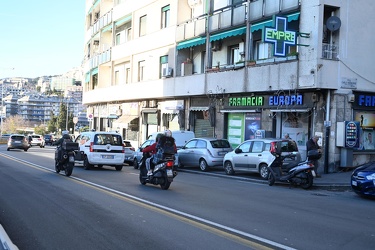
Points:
235	69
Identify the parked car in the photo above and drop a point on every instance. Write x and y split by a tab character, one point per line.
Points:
49	139
37	140
101	148
252	155
363	180
17	141
129	152
203	152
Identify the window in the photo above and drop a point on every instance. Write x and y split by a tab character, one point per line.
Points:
123	33
163	64
142	25
141	70
234	54
165	16
127	74
263	50
201	144
257	147
117	77
245	147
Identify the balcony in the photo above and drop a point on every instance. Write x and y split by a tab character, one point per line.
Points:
103	21
100	58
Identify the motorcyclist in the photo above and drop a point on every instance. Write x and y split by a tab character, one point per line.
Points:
59	142
153	150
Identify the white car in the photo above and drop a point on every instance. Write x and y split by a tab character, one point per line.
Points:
37	140
101	148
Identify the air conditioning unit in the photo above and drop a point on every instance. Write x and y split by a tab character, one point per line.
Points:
167	72
216	45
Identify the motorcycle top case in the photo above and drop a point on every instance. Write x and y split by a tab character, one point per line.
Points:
70	146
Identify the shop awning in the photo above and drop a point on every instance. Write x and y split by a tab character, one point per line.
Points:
95	71
291	110
229	33
239	111
269	23
149	111
87	77
125	119
199	108
191	43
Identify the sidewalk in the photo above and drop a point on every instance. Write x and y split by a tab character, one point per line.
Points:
334	181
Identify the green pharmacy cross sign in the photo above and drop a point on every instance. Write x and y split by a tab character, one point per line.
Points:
280	36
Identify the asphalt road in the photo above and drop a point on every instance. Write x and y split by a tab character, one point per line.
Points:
108	209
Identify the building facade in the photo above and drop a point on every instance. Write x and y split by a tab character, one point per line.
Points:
234	69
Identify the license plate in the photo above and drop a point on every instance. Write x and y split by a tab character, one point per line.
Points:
354	183
17	141
107	156
71	158
169	172
222	153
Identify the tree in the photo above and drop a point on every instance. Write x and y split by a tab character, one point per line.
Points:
13	124
51	124
61	119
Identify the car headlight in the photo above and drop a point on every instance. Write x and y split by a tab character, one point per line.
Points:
370	177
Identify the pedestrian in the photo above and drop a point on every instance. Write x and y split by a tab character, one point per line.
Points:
286	136
312	144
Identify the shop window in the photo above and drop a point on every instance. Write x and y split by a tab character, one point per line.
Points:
366	121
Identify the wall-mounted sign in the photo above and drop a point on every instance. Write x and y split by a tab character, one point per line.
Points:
281	100
246	101
348	83
280	36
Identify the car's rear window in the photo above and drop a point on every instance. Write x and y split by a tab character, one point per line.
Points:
17	137
289	146
36	136
104	139
220	144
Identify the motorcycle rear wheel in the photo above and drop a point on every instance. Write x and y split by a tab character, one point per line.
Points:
307	182
57	168
271	179
165	185
142	174
69	169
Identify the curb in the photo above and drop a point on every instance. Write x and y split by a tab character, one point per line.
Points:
6	243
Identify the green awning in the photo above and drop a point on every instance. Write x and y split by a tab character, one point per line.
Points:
123	20
108	28
87	78
229	33
94	71
93	7
269	23
191	43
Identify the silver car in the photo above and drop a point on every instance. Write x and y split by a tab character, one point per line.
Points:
129	152
203	152
252	155
17	141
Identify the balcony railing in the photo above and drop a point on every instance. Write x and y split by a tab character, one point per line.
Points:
330	51
101	22
101	58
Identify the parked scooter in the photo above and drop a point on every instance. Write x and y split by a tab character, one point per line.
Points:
66	161
301	174
163	172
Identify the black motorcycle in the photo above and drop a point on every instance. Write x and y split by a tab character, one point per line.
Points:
301	174
65	156
163	172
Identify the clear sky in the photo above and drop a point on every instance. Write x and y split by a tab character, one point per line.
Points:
41	37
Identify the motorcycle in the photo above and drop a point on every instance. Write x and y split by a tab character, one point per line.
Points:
65	162
163	173
301	174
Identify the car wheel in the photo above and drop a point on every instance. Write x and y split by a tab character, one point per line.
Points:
203	165
228	168
100	165
135	163
25	149
86	164
263	171
8	149
118	168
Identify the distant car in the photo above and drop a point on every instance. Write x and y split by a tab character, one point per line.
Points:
363	180
49	139
37	140
17	141
252	155
203	152
129	152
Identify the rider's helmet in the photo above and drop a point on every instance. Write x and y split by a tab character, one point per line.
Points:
158	136
168	133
